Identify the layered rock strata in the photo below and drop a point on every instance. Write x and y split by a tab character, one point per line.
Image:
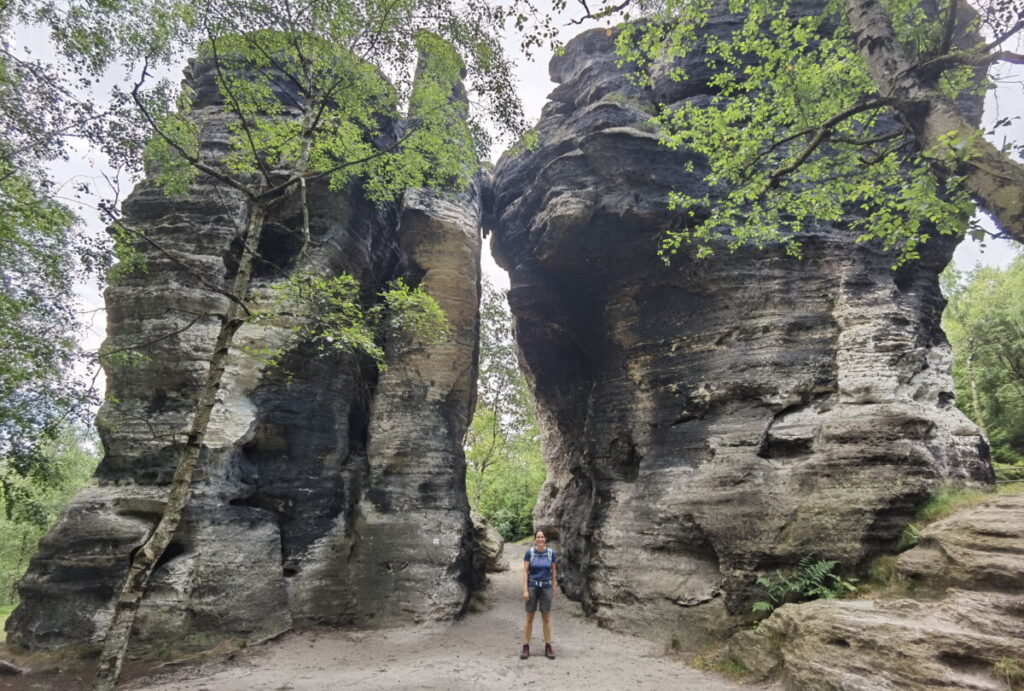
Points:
709	420
963	629
327	493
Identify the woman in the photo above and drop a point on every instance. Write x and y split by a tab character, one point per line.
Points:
540	578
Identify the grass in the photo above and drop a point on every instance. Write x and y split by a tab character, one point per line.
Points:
1010	672
714	659
883	577
5	611
946	502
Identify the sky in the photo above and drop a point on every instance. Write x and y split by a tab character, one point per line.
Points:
534	86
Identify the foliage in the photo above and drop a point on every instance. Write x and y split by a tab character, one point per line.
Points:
798	132
812	580
312	89
333	319
413	314
985	325
42	253
504	468
32	505
1008	473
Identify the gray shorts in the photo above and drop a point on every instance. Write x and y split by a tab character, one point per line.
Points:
541	596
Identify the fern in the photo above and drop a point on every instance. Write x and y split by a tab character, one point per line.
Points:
812	580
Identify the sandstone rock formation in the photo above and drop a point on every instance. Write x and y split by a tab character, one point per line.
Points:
964	629
488	546
710	420
327	494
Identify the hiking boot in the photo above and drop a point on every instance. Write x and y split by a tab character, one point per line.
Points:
549	652
526	652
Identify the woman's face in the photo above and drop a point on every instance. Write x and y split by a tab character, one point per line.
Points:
540	539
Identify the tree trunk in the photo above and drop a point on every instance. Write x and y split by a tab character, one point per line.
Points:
979	417
994	180
115	643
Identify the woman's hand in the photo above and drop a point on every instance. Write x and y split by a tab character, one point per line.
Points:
526	594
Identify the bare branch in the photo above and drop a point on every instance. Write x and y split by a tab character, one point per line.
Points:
184	265
605	11
162	337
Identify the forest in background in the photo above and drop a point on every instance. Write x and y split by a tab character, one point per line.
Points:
984	322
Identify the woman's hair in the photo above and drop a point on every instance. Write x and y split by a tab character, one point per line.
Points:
539	532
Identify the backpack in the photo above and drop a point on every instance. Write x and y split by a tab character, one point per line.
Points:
549	553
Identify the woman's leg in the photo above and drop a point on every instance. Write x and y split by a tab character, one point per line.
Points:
529	626
546	620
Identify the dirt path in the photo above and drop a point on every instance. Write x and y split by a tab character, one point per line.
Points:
481	651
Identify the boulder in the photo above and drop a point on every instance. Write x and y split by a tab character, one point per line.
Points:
963	627
488	546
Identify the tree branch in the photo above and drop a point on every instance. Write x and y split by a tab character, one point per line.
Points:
821	133
193	161
948	27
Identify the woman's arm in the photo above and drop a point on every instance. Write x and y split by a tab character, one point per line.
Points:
526	578
554	577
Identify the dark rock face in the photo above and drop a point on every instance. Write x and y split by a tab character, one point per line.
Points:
326	494
711	420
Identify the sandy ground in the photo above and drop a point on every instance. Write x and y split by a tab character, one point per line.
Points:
479	652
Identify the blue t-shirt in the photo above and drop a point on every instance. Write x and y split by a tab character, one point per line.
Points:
540	565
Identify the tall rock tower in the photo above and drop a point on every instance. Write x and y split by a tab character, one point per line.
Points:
712	420
328	493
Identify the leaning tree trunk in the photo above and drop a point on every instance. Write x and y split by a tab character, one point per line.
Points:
975	399
994	179
115	643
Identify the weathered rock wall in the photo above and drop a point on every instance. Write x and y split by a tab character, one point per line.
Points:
710	420
326	494
953	617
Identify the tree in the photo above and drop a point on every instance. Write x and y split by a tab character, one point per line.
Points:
985	324
311	89
32	504
43	251
504	468
822	109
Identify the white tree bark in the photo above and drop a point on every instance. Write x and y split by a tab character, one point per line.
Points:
115	644
994	180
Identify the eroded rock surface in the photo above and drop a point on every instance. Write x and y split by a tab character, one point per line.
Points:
964	629
710	420
488	546
327	494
